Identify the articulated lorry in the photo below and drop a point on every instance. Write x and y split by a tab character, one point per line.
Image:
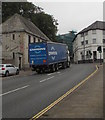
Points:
49	56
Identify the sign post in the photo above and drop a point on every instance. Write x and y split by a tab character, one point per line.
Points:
99	49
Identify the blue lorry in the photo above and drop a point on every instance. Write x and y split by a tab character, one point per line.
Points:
48	56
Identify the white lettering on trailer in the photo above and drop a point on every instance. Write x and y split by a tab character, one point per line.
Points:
37	49
53	53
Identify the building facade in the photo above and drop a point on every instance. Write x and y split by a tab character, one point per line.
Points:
87	41
17	33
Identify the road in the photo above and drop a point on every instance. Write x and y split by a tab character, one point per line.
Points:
23	97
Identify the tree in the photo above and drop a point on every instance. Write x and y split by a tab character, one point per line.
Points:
45	22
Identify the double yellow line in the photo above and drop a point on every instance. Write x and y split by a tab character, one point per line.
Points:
62	97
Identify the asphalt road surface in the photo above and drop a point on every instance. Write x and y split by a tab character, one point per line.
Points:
23	97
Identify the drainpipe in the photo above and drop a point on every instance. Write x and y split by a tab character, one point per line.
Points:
84	46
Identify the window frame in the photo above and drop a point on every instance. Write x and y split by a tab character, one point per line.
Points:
93	41
29	39
82	42
86	41
13	36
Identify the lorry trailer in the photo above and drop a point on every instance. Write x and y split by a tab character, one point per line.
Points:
48	56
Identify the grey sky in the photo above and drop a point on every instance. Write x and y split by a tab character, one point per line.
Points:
73	15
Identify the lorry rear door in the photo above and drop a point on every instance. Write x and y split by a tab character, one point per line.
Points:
37	54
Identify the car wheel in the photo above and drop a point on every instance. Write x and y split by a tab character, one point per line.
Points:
17	72
7	73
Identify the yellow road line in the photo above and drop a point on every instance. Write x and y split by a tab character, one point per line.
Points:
62	97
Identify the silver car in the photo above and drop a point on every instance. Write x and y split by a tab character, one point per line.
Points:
8	69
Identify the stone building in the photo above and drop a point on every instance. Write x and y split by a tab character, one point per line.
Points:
17	33
87	41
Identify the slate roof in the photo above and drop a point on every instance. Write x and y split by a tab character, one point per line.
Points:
96	25
17	23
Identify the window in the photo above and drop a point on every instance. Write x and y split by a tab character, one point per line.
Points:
11	65
38	40
103	32
34	39
94	41
13	36
13	55
81	53
29	39
87	54
93	31
86	41
103	40
7	65
82	43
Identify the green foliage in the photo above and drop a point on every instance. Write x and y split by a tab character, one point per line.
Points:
46	23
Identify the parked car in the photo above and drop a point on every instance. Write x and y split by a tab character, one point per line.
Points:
8	69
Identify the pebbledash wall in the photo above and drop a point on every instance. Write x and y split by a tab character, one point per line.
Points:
15	51
88	41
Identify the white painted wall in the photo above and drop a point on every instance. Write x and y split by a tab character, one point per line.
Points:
90	46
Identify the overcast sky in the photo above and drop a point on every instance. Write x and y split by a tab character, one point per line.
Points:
73	15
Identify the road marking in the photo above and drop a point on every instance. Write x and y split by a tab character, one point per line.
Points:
47	79
61	74
63	96
58	72
14	90
53	73
50	74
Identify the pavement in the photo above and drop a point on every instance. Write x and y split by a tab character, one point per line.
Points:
26	72
22	73
85	102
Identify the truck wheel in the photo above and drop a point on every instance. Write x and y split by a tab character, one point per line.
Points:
53	68
68	64
33	69
38	71
57	67
64	65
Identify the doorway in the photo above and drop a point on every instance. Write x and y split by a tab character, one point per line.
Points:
94	55
20	63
